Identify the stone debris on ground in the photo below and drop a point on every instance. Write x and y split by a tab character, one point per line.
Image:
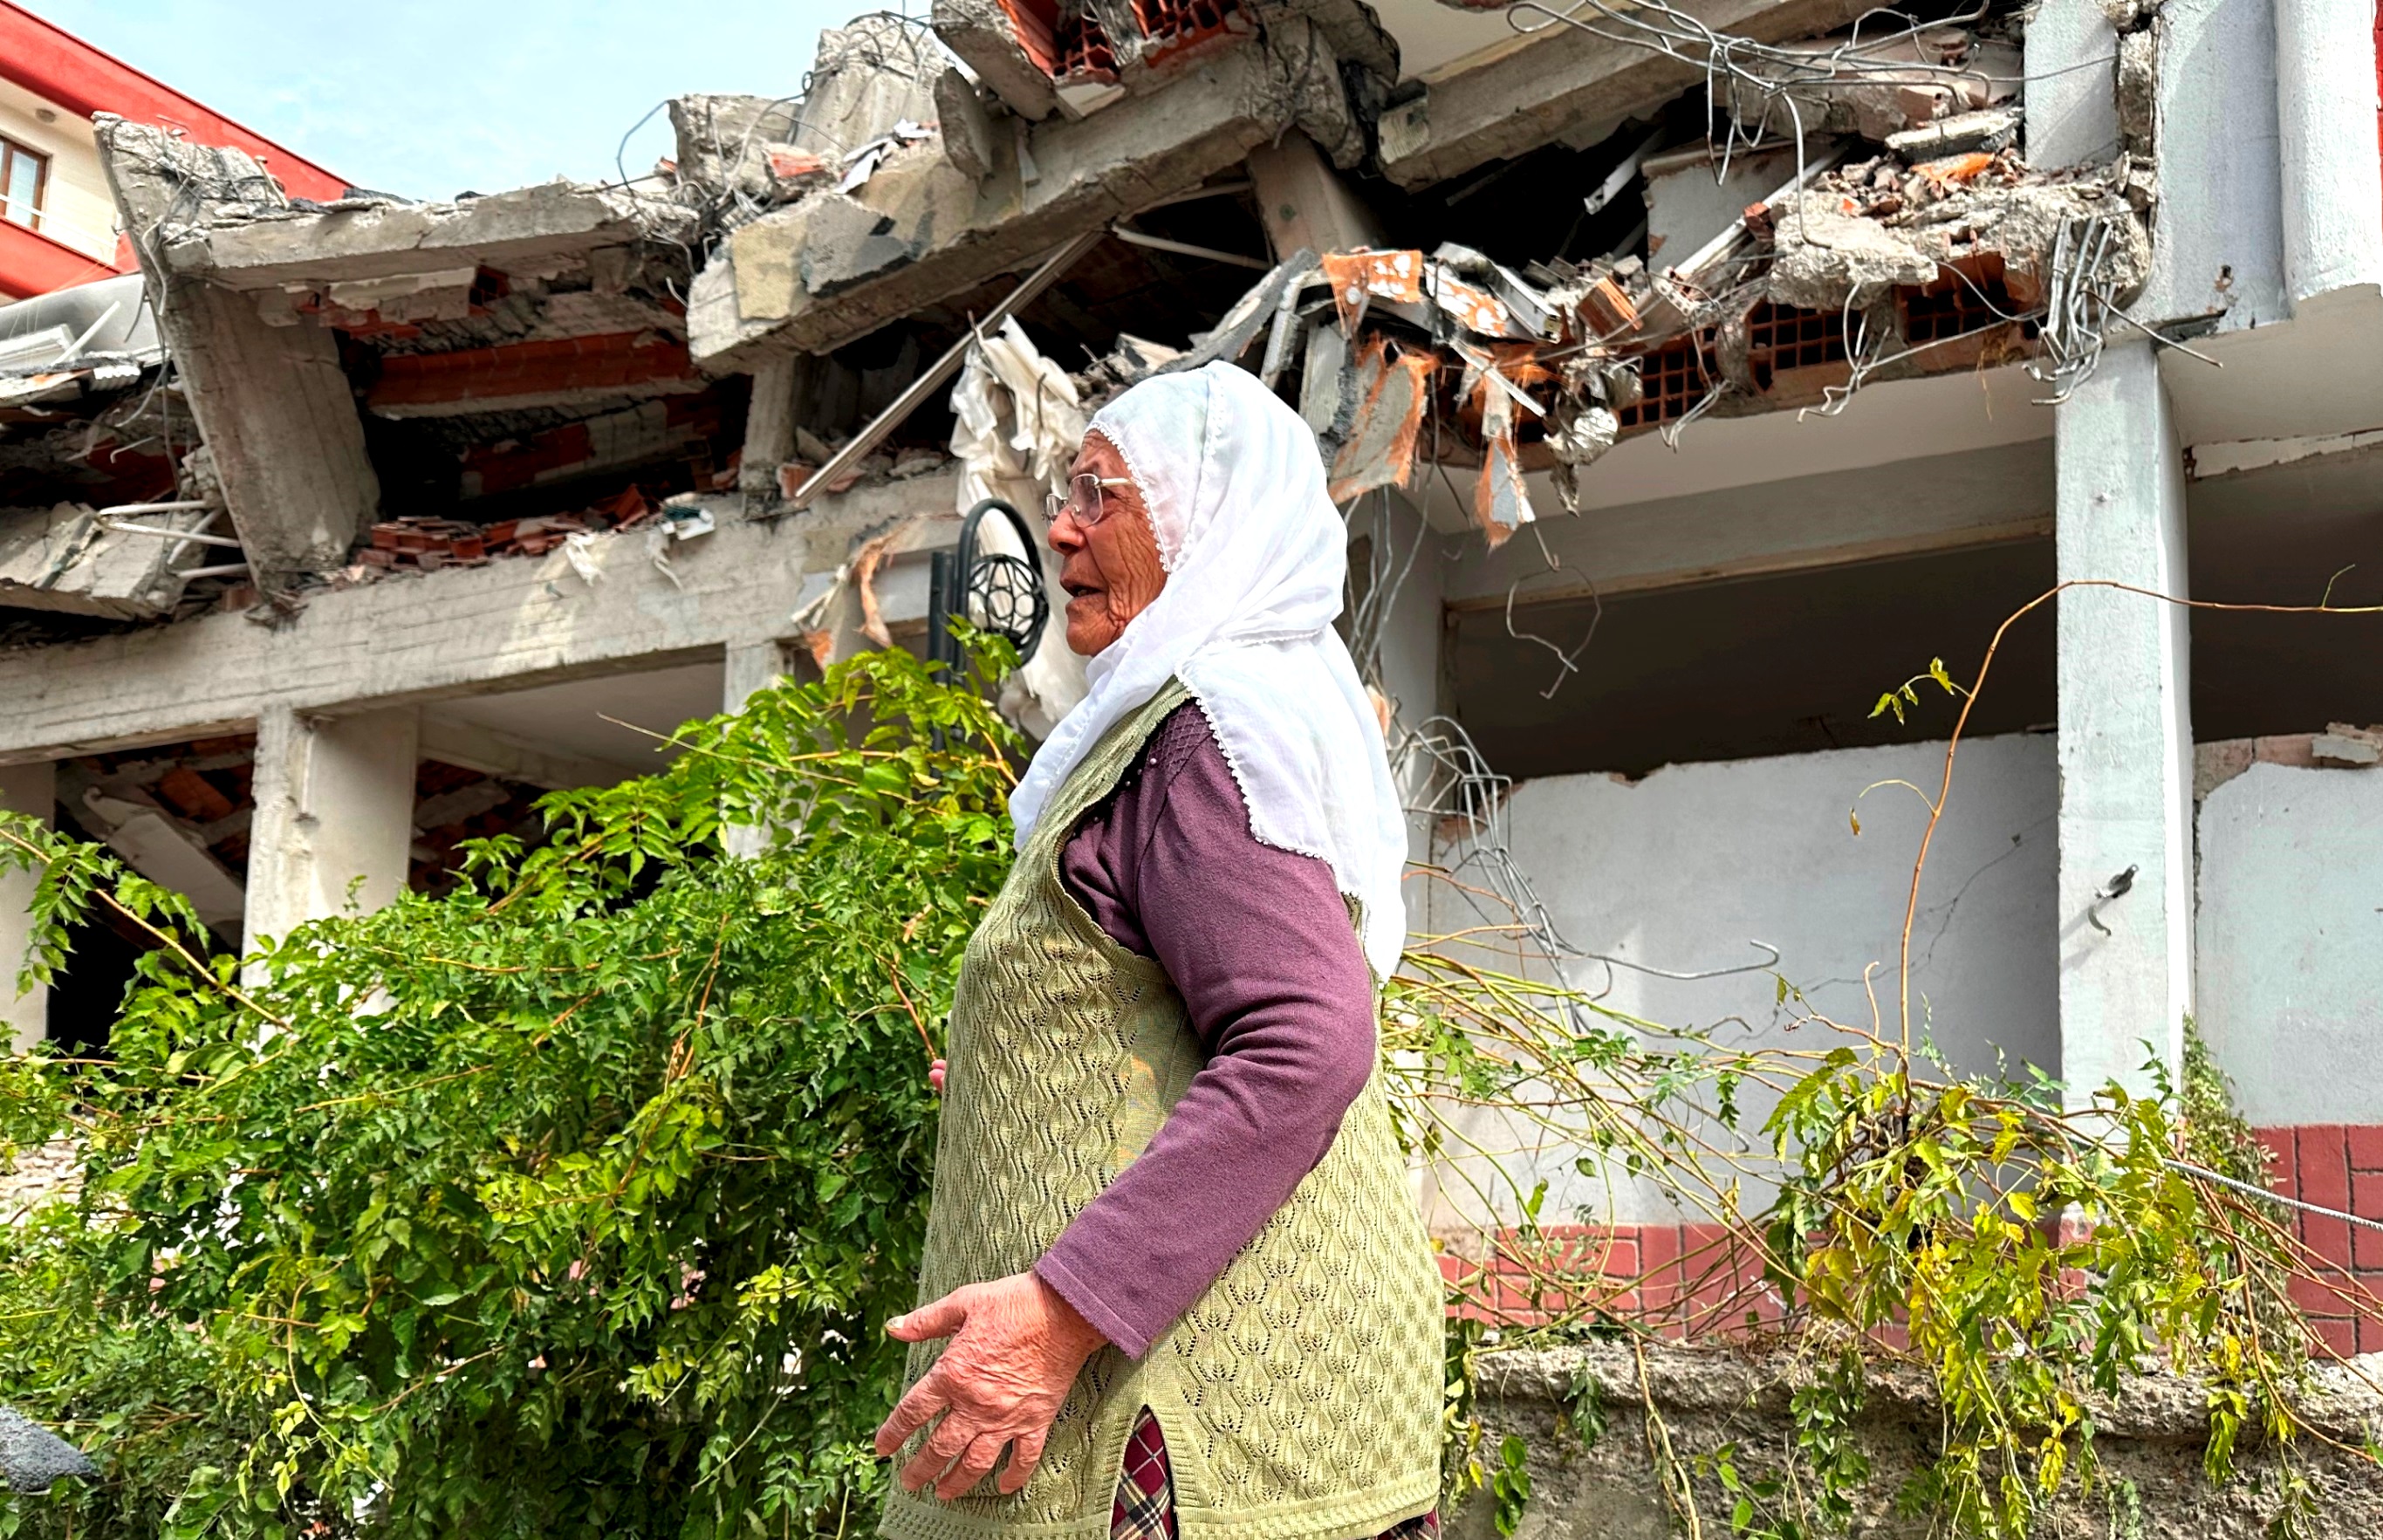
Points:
32	1457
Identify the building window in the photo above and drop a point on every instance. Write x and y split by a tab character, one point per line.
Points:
24	178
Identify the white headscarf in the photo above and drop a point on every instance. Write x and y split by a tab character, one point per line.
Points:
1255	557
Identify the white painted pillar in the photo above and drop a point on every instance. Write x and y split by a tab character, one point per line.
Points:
769	427
334	809
2072	84
2126	728
1306	203
25	1018
751	667
2333	182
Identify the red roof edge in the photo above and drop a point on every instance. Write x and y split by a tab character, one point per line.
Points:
60	67
31	263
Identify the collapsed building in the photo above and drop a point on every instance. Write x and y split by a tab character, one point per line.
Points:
1691	375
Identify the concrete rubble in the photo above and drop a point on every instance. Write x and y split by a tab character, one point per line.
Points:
382	386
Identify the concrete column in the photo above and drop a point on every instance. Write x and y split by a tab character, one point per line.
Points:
2126	728
1304	203
334	809
277	412
750	667
2333	184
1404	661
769	426
25	1019
2072	84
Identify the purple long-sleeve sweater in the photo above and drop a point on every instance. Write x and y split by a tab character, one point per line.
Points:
1258	942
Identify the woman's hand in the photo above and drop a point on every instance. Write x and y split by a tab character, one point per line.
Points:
936	1077
1016	1348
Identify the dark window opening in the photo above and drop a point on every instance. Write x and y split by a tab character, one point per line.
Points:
1741	669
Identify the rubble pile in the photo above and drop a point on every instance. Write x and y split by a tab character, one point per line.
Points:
1916	229
427	544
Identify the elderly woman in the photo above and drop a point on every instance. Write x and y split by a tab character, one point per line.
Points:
1174	1272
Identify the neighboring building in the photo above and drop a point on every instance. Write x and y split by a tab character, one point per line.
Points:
492	472
57	218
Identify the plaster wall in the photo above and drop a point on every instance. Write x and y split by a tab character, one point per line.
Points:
2291	942
1688	868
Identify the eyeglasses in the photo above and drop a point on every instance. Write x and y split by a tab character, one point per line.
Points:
1084	499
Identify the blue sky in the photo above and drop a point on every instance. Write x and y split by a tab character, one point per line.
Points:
430	97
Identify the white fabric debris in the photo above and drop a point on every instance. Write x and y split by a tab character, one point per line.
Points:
861	164
1257	559
580	552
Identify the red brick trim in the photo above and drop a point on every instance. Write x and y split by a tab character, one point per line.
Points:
2340	1166
515	371
1697	1280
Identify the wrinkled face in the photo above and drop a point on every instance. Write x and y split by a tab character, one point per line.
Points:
1110	569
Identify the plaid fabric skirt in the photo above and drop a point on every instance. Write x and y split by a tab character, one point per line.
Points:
1144	1509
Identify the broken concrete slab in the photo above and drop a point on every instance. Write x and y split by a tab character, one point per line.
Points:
1825	256
60	560
876	72
721	139
837	265
967	134
543	229
1902	84
1013	56
1566	83
1990	130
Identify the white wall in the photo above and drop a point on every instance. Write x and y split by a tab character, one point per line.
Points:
1682	868
77	210
2291	942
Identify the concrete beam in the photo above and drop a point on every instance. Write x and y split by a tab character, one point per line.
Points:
452	741
1567	84
164	849
334	822
835	266
278	414
2126	730
1906	508
24	1018
530	229
457	631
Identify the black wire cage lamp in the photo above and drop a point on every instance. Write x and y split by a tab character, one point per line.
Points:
992	590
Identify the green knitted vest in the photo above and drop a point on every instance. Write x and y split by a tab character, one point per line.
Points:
1301	1395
